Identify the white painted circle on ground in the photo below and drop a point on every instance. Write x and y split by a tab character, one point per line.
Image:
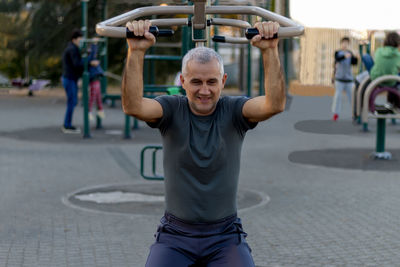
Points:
114	132
118	197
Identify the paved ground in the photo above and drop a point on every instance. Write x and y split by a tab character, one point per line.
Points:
316	215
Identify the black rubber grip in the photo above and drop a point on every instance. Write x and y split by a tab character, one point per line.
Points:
153	30
218	39
251	32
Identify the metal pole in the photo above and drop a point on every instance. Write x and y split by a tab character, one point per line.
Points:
261	89
365	127
216	29
127	132
104	54
360	49
286	49
249	76
85	76
380	135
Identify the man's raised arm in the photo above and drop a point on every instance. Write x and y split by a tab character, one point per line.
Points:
273	102
133	102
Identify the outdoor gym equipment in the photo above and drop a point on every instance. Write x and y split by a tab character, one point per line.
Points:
381	113
358	94
115	27
198	22
153	149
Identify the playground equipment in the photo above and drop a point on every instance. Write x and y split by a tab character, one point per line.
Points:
153	149
85	77
358	94
362	80
198	22
380	112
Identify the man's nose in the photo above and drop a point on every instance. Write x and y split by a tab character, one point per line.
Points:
204	89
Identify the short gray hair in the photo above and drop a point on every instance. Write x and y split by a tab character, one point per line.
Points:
202	55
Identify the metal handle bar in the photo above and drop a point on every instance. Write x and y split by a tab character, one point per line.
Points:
250	33
153	30
115	27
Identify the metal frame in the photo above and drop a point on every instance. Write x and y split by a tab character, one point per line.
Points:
380	152
155	176
115	27
365	114
358	96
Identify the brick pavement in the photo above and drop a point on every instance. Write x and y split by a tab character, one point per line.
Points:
316	216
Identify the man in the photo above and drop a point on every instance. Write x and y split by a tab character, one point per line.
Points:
344	81
202	139
72	71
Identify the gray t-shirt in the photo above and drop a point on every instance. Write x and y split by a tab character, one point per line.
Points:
201	157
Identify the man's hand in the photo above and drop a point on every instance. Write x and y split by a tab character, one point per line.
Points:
94	63
267	31
140	28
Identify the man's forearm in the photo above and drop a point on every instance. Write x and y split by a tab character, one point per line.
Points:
132	83
274	84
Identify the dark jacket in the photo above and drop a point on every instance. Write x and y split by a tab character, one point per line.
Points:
72	62
343	71
94	72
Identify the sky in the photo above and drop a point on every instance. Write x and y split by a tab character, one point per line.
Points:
347	14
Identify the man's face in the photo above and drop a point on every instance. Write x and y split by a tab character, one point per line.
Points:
203	84
76	41
344	45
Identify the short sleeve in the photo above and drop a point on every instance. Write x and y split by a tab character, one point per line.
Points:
167	103
240	122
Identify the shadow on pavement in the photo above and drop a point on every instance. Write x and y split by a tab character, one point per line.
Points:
347	158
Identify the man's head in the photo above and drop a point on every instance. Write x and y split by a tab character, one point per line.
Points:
392	39
344	43
203	79
76	37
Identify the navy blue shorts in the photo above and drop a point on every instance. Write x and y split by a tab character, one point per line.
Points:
183	244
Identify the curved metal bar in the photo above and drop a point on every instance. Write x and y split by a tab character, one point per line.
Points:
360	90
232	40
110	27
231	22
254	10
169	22
368	91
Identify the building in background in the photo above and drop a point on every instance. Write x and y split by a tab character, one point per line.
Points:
318	46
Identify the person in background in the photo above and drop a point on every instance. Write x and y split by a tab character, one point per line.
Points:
72	70
344	80
95	73
387	62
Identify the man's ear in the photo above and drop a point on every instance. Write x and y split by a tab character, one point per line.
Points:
182	79
224	78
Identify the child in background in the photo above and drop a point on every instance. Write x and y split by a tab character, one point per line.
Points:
344	81
95	73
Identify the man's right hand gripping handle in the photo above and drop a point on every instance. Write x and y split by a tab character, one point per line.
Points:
140	28
133	102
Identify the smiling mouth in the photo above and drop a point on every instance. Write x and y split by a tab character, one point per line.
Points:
204	99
